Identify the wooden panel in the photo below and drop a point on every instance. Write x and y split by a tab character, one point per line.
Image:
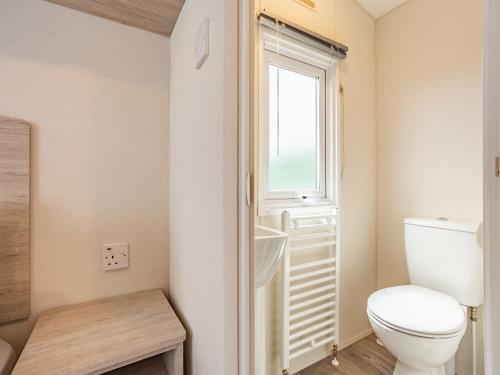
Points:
149	366
157	16
100	336
174	360
14	219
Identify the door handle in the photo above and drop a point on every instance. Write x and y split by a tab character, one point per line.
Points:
248	187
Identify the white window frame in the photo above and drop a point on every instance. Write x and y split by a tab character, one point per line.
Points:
298	56
271	58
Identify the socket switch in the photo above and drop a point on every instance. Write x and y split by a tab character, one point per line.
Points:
114	256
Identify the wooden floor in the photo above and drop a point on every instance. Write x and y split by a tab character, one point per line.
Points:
365	357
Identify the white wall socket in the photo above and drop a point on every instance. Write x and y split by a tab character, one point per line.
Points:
114	256
202	43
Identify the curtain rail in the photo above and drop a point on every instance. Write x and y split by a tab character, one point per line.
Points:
307	36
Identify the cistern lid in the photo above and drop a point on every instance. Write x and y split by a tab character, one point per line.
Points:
418	310
458	225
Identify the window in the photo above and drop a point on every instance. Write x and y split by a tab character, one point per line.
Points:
294	130
296	137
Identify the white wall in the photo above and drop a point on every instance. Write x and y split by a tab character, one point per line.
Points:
203	176
429	124
97	93
429	113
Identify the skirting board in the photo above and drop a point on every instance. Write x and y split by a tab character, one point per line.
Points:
324	352
356	338
15	253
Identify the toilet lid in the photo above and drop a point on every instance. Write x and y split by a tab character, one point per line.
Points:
416	309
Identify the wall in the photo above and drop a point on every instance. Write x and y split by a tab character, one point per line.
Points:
97	93
203	141
355	28
429	124
318	20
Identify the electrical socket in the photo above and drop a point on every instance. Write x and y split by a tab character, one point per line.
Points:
114	256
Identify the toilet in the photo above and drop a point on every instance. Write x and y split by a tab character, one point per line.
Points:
7	358
422	324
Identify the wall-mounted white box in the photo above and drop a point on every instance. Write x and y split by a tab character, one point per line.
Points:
114	256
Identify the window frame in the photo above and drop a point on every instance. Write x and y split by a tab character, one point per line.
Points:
298	56
271	58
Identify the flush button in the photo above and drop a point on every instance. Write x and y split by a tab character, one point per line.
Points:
442	219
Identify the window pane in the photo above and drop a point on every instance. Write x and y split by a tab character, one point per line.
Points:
293	131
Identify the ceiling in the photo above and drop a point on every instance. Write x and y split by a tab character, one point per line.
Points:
377	8
157	16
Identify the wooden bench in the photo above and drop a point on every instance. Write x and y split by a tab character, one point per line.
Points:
136	333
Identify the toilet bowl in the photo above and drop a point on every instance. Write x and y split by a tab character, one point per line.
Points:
422	324
7	358
422	328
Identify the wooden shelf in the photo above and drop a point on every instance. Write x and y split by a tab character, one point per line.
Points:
100	336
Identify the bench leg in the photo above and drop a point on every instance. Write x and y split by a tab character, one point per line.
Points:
174	360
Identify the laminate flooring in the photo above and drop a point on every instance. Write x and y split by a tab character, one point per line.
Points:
364	357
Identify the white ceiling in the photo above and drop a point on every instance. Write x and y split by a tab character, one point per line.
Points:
377	8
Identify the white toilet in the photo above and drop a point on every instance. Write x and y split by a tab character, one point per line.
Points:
422	324
7	358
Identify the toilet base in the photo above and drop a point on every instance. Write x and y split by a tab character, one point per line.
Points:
402	369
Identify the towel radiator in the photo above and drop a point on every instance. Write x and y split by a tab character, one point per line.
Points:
309	276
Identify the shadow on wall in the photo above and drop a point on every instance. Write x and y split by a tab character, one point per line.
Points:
188	344
83	43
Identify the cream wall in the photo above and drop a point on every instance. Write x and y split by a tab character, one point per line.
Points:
356	29
97	93
429	125
203	195
318	20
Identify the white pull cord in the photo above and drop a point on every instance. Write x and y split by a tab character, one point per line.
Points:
342	131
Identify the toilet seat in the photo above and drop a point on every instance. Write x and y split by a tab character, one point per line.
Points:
417	311
400	330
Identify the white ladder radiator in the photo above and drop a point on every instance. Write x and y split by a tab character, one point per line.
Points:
309	286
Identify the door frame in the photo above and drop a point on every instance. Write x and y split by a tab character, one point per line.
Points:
245	198
491	79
